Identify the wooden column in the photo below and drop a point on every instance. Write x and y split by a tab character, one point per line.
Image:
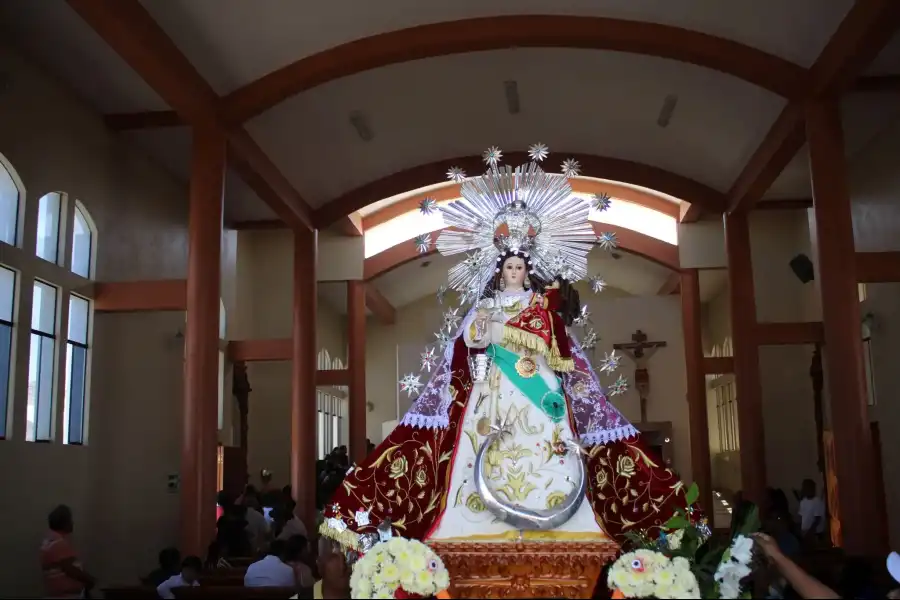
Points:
845	369
742	301
201	370
696	385
303	379
356	330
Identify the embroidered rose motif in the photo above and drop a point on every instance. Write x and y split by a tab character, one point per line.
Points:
475	503
536	324
602	479
421	479
625	466
555	499
399	467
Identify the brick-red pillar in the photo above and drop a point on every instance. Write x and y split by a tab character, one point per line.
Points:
356	330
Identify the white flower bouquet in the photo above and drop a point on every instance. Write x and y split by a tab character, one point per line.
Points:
684	561
399	568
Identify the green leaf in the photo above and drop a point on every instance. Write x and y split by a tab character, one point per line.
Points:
677	522
692	494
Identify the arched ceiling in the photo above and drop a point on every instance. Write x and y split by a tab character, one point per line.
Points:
586	83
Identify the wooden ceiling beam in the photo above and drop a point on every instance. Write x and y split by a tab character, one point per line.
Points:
600	167
864	32
380	306
672	285
133	34
878	267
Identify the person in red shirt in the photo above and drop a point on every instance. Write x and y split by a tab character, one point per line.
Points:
64	576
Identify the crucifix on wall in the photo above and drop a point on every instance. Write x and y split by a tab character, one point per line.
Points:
639	350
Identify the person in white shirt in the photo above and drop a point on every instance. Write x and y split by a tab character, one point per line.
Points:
271	571
189	576
293	525
257	525
812	510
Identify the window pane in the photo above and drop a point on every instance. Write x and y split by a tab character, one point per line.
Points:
5	366
7	293
320	429
76	374
9	207
78	319
40	389
81	245
335	432
48	226
43	312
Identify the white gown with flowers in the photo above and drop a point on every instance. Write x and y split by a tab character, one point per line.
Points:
524	469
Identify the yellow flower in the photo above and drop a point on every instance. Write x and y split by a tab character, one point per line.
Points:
475	503
625	466
421	478
399	467
391	574
555	499
602	479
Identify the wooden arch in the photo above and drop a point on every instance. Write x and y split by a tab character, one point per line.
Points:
634	242
603	167
760	68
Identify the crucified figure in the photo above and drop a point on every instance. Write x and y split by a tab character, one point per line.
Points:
639	350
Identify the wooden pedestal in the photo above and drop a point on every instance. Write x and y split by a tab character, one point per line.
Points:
524	569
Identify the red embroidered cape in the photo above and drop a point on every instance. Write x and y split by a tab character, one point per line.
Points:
407	477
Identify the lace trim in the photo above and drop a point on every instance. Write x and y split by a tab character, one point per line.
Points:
608	436
421	421
347	539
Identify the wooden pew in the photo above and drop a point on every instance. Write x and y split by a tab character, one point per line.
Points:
229	591
133	592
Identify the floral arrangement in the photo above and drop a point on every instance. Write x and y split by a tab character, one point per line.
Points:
684	561
399	568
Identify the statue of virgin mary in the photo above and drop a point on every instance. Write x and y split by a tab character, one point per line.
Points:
513	436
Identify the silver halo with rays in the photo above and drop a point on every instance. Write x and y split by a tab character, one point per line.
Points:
543	218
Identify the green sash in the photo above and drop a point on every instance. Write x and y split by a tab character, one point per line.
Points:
551	402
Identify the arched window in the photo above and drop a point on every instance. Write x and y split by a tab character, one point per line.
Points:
11	196
49	209
82	243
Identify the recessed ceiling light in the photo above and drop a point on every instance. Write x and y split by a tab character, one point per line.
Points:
360	123
668	108
511	91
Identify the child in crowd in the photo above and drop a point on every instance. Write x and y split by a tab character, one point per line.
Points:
191	567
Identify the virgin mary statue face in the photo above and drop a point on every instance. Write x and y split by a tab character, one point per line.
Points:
513	272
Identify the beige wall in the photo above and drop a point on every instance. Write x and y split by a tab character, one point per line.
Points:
875	188
116	484
264	293
616	316
788	411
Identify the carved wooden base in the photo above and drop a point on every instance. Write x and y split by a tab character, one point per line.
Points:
524	569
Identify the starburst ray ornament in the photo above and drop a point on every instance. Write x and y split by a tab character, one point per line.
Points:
571	168
601	201
597	284
451	320
410	384
607	240
423	243
429	359
538	152
456	174
610	362
521	209
428	206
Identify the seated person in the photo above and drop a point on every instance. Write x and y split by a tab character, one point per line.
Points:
231	532
189	576
335	581
296	554
64	577
169	561
271	571
257	525
292	524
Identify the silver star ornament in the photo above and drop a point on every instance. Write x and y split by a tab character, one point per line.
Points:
619	387
610	362
427	206
423	243
492	156
429	359
589	342
600	201
571	168
597	284
441	292
538	152
451	319
456	174
410	384
607	240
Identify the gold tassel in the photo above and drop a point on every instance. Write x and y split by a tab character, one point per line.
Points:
346	538
535	343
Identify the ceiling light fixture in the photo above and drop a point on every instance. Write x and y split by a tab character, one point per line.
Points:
665	113
361	125
511	90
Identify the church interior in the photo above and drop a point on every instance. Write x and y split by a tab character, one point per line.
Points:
211	215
